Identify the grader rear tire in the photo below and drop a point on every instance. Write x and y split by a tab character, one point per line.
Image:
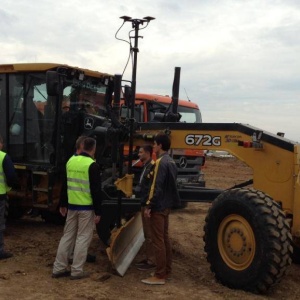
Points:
6	208
247	240
296	254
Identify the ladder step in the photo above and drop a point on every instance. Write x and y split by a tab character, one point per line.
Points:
40	205
38	189
39	173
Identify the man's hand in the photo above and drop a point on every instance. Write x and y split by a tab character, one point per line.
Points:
97	219
147	212
63	211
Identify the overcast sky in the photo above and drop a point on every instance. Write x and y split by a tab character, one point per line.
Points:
239	59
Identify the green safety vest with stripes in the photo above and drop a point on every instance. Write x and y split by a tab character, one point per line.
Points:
78	180
3	186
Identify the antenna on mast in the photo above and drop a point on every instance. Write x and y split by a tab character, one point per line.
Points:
187	95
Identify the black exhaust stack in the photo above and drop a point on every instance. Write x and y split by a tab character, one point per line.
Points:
175	90
174	116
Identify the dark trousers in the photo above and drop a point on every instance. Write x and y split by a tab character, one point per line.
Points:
161	242
2	220
150	253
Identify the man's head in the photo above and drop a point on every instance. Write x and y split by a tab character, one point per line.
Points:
65	104
1	142
145	153
162	143
89	146
86	101
79	144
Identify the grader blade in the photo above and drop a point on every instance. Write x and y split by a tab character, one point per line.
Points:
126	242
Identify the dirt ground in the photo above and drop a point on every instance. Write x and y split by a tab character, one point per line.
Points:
28	274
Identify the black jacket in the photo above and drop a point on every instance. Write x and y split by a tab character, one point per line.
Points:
163	192
143	188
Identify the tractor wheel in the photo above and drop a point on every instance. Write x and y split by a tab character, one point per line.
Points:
106	224
12	210
53	217
296	253
247	240
6	208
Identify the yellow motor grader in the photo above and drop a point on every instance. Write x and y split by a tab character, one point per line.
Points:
250	233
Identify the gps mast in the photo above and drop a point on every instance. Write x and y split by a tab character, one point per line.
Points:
136	23
127	240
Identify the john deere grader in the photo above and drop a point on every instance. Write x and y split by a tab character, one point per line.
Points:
250	233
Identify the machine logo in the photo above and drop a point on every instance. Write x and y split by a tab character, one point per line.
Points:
203	140
88	123
183	162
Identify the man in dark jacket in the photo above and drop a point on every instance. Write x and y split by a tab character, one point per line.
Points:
8	179
83	210
163	196
142	191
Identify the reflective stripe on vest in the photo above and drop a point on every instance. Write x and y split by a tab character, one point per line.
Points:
3	186
78	180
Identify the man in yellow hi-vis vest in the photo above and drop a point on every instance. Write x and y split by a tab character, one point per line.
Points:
83	210
8	179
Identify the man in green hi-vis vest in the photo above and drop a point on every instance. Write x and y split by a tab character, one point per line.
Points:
8	179
83	209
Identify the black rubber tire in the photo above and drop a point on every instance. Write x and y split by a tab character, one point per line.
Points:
13	211
107	223
6	211
53	217
296	254
247	240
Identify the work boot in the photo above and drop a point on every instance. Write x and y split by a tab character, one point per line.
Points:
146	266
5	255
90	258
80	276
65	273
141	263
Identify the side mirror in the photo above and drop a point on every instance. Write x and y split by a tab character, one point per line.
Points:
52	79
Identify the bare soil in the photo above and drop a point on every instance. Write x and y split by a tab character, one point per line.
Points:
34	243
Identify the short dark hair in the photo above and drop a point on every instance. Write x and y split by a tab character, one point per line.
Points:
79	141
147	148
88	144
163	140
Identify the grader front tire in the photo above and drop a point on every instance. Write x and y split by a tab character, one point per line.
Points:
247	240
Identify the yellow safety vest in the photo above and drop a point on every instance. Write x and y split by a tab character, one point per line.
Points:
3	186
78	180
